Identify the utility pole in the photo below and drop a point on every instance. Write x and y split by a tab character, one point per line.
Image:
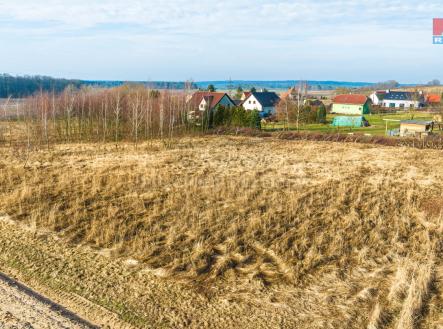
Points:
230	87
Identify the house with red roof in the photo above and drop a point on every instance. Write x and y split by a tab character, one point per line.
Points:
205	100
351	104
433	99
245	95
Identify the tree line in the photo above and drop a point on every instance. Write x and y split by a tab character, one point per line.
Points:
24	86
126	113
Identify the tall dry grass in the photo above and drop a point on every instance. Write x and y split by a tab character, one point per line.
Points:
347	228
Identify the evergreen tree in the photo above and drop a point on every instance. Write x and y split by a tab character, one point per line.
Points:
254	119
321	114
219	116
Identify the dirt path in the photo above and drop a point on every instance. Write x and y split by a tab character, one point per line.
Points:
21	307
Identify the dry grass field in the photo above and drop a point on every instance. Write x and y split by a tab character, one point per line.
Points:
225	232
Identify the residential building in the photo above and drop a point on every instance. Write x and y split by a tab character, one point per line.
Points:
403	99
433	99
245	95
314	103
205	100
264	102
377	97
351	104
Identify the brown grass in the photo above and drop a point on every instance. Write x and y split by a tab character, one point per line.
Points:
331	235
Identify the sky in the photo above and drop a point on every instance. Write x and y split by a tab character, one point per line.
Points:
176	40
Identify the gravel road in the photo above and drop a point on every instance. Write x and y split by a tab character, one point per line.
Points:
21	307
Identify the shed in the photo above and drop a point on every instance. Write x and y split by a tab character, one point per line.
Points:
350	121
414	128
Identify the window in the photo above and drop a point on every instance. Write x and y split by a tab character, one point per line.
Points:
250	102
411	106
254	102
402	105
391	104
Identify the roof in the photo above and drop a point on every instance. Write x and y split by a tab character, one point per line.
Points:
212	98
350	99
380	94
314	102
266	99
416	122
399	96
433	98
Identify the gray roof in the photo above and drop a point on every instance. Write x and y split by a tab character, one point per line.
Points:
400	96
417	122
267	99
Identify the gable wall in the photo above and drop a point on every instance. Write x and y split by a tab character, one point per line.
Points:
252	103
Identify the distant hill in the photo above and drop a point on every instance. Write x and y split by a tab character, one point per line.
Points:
22	86
279	85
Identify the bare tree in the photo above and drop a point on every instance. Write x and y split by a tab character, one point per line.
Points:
117	110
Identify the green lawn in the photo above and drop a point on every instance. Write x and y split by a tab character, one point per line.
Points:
378	126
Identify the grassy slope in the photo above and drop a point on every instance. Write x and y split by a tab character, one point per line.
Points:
232	232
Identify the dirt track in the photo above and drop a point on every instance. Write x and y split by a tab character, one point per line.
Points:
21	307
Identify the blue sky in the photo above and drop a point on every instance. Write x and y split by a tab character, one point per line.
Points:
213	40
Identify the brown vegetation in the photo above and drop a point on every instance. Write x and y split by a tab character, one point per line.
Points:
431	142
130	113
299	233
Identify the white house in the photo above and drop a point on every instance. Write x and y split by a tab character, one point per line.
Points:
377	97
403	99
263	102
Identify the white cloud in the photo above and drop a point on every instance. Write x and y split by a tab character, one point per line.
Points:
180	33
200	16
